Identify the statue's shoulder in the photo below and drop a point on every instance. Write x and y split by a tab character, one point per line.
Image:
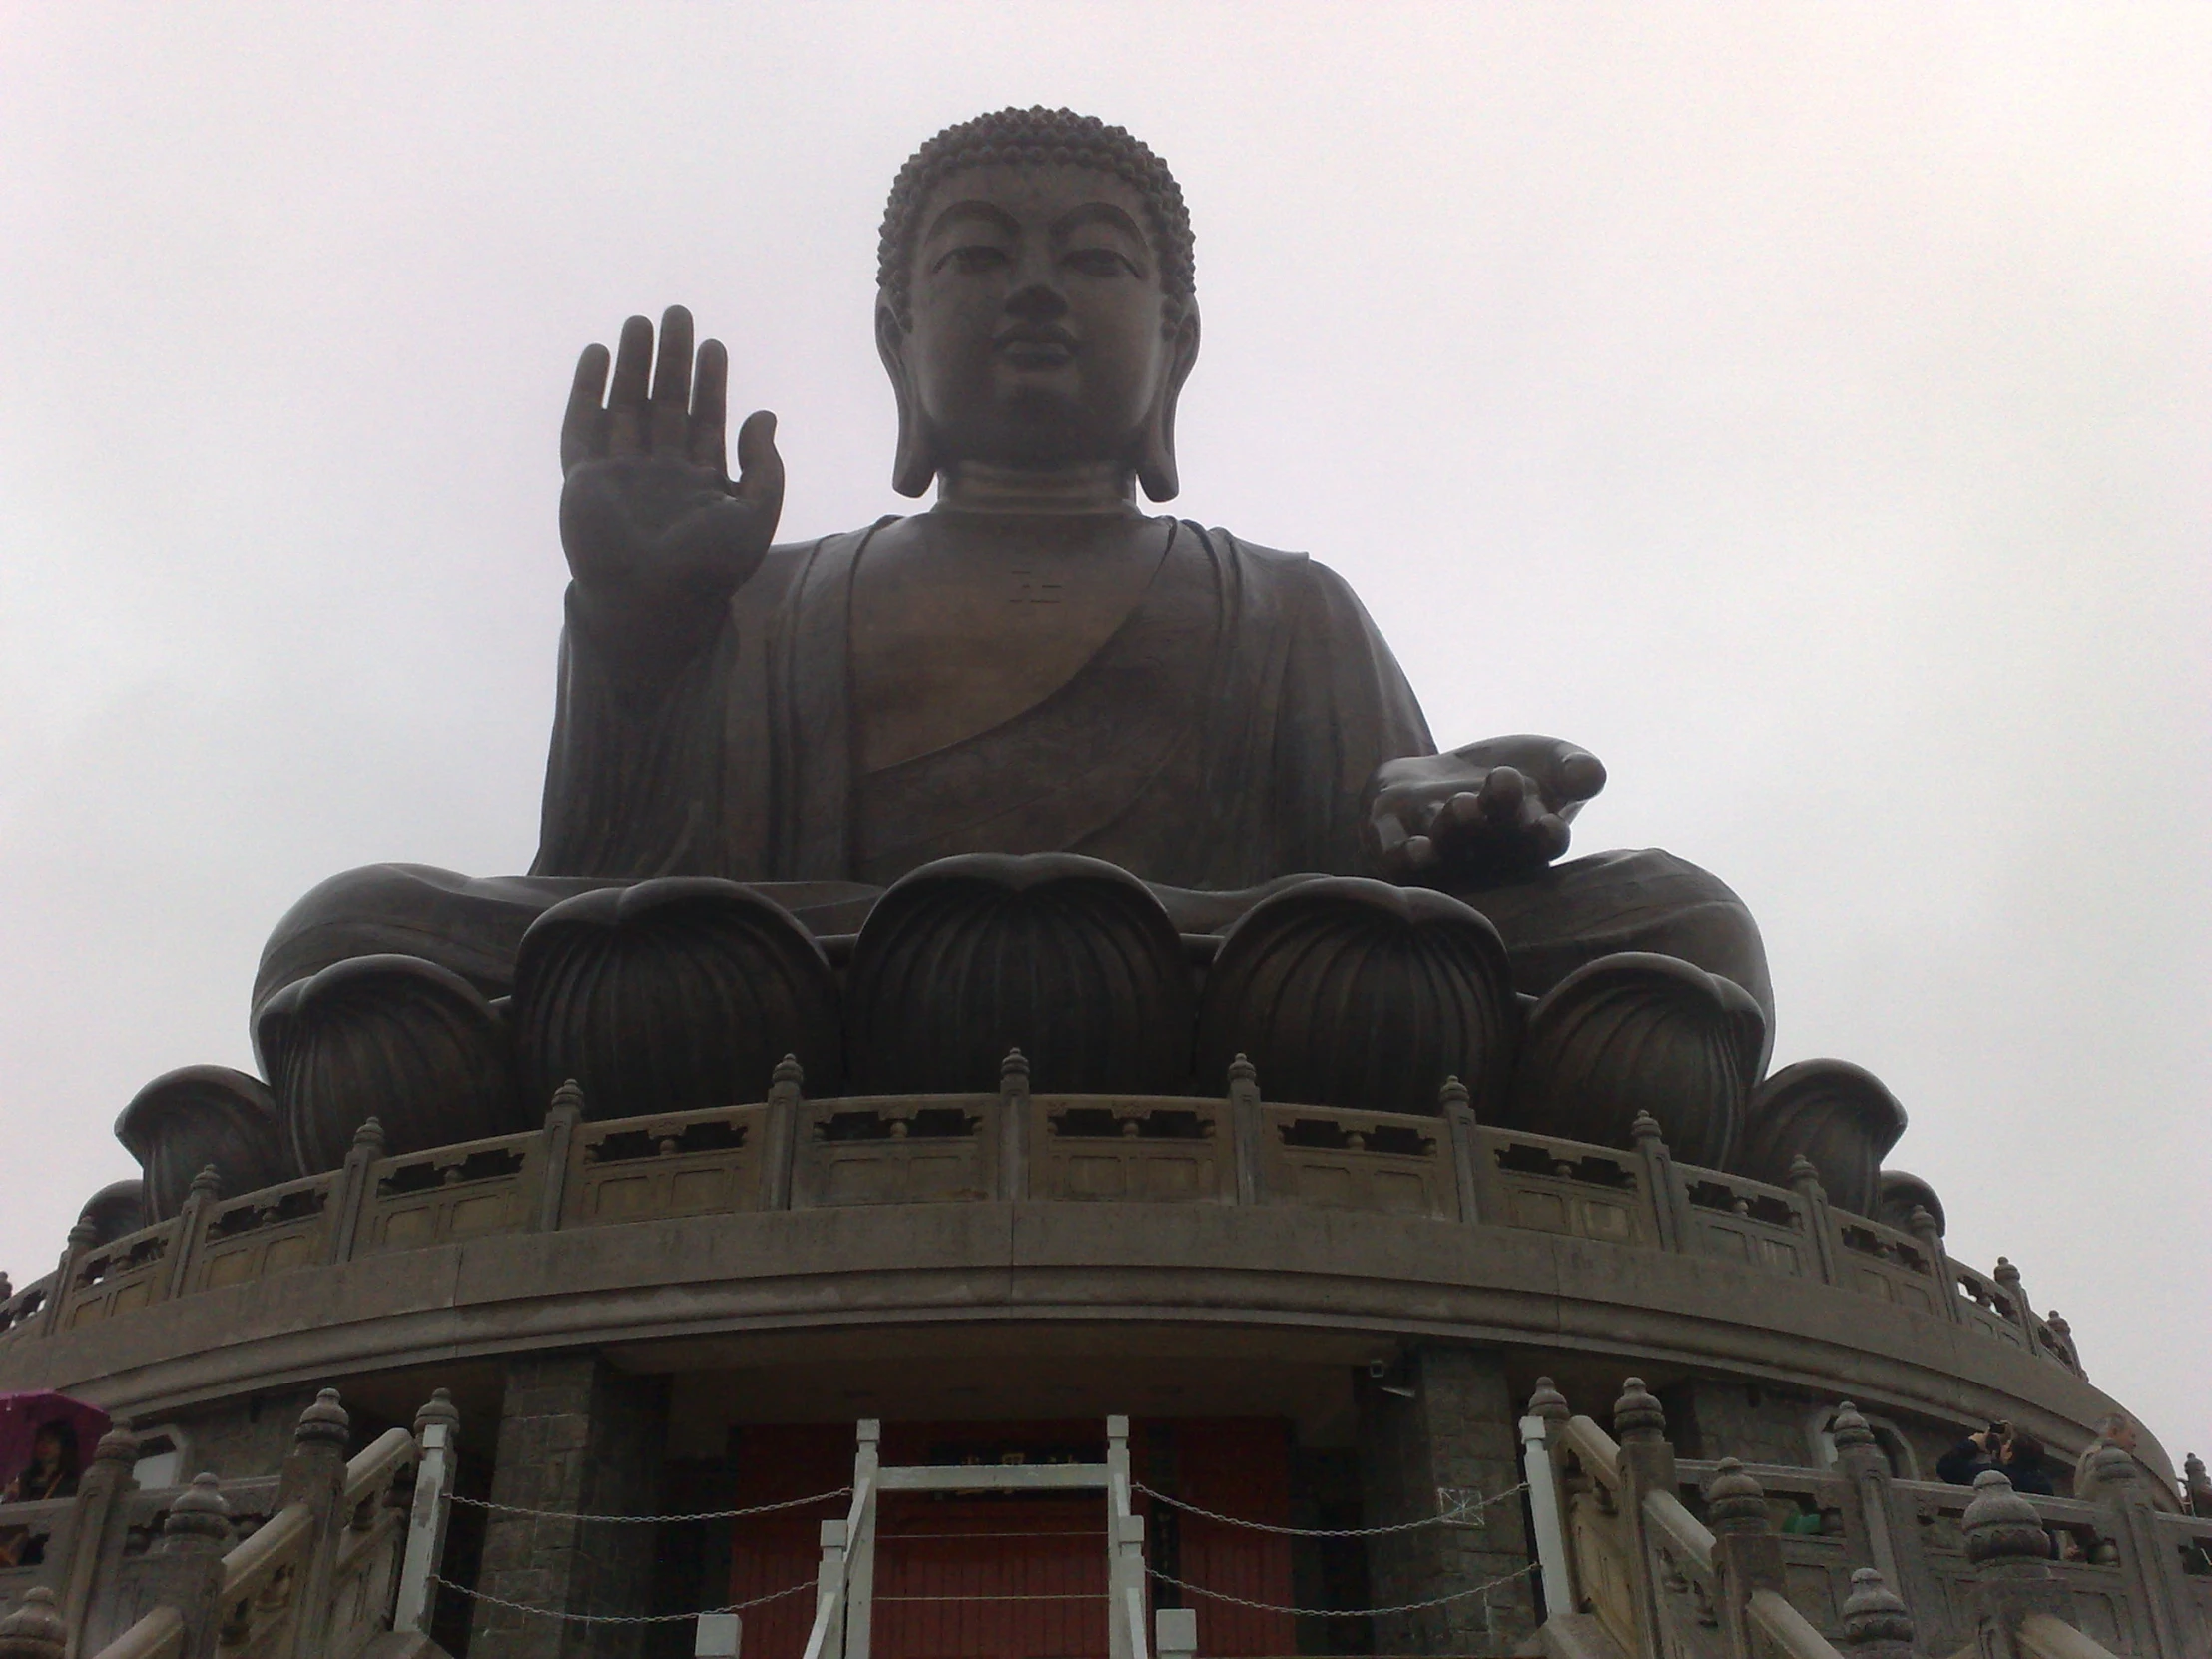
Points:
791	565
1295	575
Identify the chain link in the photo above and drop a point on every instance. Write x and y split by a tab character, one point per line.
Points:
615	1618
1456	1518
1344	1612
646	1521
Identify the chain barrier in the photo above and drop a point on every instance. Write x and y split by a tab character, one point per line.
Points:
1343	1612
1457	1517
644	1521
616	1618
986	1595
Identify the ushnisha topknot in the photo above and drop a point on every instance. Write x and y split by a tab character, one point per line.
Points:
1035	137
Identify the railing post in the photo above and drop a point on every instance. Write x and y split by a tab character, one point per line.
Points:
1662	1184
1870	1523
81	1237
2008	1278
2010	1554
860	1616
1475	1169
562	1117
185	1571
784	1092
2062	1334
353	1188
2197	1484
438	1435
1646	1465
2154	1567
34	1630
1747	1555
1540	1433
1120	1502
1876	1622
830	1596
1244	1126
97	1526
1013	1127
1805	1180
1175	1632
314	1476
205	1187
1930	1239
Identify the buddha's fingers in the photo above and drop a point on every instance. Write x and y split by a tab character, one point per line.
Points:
759	467
1580	773
626	400
710	409
584	425
670	414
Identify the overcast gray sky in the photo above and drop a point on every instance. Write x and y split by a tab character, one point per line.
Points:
1807	409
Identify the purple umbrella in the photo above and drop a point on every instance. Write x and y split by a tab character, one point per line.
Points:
22	1415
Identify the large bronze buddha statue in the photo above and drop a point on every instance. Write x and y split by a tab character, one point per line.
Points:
1033	666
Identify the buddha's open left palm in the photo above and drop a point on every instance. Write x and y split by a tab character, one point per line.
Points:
649	513
1491	808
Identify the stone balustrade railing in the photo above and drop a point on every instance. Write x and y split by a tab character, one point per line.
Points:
306	1562
789	1152
1648	1554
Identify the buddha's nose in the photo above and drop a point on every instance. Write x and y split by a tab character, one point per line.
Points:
1037	301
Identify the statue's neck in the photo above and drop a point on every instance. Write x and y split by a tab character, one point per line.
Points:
976	487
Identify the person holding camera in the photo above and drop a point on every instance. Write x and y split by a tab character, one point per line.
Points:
2019	1455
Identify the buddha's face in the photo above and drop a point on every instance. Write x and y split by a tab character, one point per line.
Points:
1040	335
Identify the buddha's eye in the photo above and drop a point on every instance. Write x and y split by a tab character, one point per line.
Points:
1100	262
975	258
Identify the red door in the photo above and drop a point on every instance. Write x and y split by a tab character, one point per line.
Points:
1014	1576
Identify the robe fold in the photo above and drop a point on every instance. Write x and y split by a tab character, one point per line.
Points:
1221	736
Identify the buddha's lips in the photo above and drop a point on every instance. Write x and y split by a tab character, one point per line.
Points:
1036	348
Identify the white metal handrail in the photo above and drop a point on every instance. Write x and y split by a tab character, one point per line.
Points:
846	1594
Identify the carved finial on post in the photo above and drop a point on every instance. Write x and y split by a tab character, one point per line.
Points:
82	1234
199	1522
324	1423
1850	1429
1876	1622
1242	1070
1804	1178
1453	1094
1638	1418
34	1630
1550	1405
118	1445
1014	1071
1646	1128
789	1073
7	1287
1735	1501
207	1184
568	1099
440	1409
2198	1485
2002	1528
369	1138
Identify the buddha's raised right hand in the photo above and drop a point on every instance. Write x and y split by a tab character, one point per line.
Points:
656	532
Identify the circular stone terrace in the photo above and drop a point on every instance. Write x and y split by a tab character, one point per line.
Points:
1313	1231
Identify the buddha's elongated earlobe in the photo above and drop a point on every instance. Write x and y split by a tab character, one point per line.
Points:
1156	457
913	466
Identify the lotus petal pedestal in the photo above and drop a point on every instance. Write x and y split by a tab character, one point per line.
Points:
671	996
1344	992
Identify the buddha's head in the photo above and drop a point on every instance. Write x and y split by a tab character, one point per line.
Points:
1036	307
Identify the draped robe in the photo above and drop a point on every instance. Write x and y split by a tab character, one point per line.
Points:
1218	744
1221	736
